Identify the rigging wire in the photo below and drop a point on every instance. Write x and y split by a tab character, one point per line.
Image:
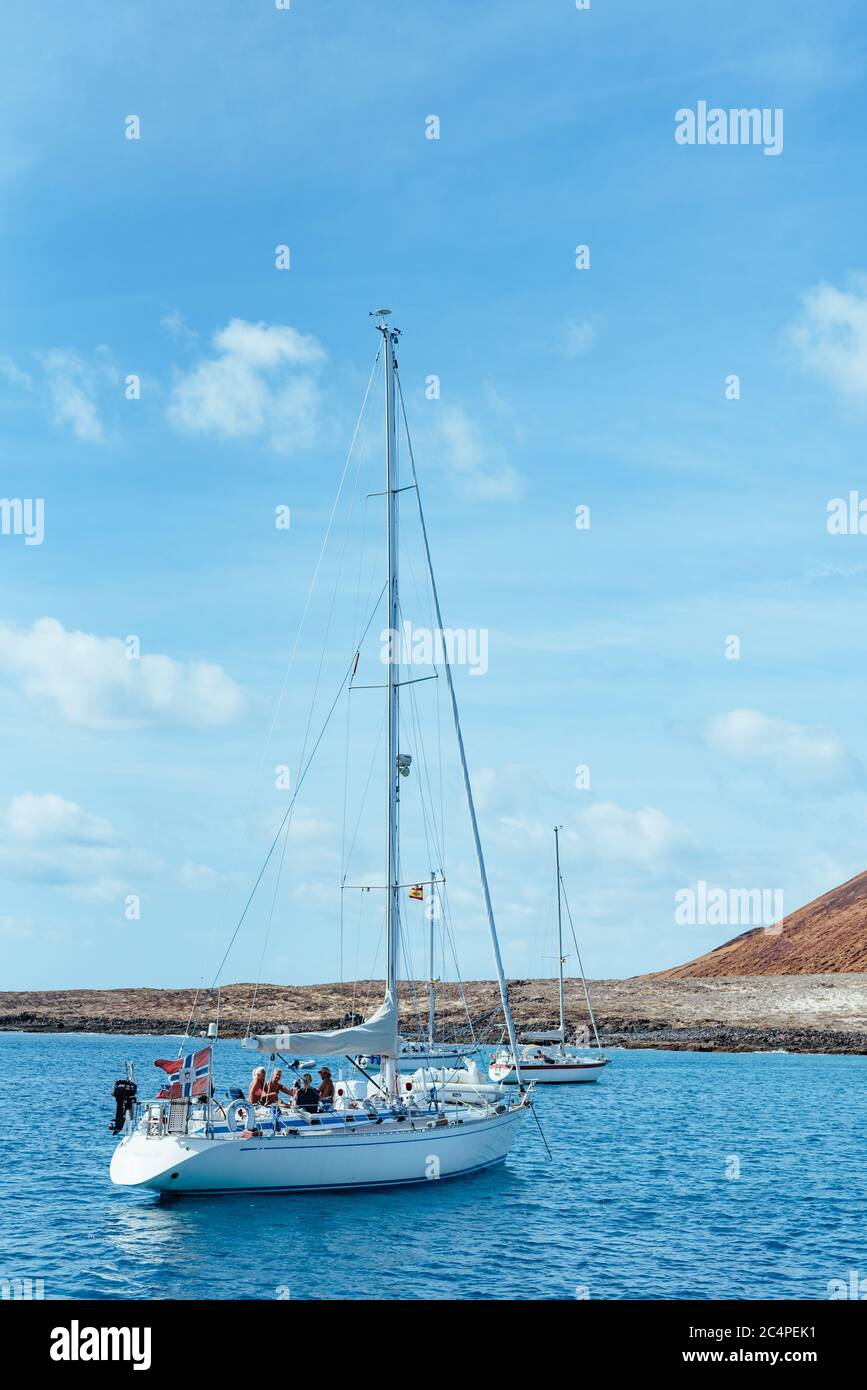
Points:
344	861
357	951
431	828
501	975
316	690
437	832
288	822
543	940
365	793
268	928
413	729
580	966
310	590
427	822
188	1034
297	640
287	813
326	635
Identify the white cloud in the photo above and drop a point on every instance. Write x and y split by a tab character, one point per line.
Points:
176	326
92	682
262	382
33	819
598	832
642	838
579	337
52	841
510	784
13	373
474	461
803	758
73	384
197	875
831	335
604	833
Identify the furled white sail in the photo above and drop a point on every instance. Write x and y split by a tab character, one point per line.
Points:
377	1035
552	1035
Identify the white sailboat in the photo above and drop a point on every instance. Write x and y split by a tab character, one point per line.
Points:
378	1132
545	1058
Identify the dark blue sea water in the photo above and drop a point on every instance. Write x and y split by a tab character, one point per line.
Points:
635	1202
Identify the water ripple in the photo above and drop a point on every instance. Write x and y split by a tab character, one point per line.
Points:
635	1203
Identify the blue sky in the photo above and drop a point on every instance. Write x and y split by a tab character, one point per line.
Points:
558	387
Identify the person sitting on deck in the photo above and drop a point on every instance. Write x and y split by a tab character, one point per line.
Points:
326	1087
307	1096
256	1087
271	1094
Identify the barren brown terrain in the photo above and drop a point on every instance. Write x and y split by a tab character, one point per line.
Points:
799	986
814	1013
827	936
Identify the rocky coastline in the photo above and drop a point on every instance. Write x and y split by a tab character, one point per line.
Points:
803	1013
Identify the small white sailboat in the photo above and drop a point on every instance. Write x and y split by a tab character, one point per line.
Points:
377	1131
549	1063
416	1052
545	1058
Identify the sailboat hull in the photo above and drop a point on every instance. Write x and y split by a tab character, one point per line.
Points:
548	1073
311	1161
418	1055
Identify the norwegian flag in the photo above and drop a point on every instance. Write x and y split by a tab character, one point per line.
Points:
190	1075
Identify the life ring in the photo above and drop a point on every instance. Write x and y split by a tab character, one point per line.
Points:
240	1107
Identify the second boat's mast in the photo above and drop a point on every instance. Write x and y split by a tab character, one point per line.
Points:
557	829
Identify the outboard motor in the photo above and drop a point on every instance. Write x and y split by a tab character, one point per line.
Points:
124	1096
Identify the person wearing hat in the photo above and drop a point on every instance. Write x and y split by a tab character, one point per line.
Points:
307	1096
326	1087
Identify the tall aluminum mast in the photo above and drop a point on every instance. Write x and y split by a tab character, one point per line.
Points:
392	919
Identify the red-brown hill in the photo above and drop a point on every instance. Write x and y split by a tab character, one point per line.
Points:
826	937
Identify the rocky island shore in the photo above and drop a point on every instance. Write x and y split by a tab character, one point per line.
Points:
798	1013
